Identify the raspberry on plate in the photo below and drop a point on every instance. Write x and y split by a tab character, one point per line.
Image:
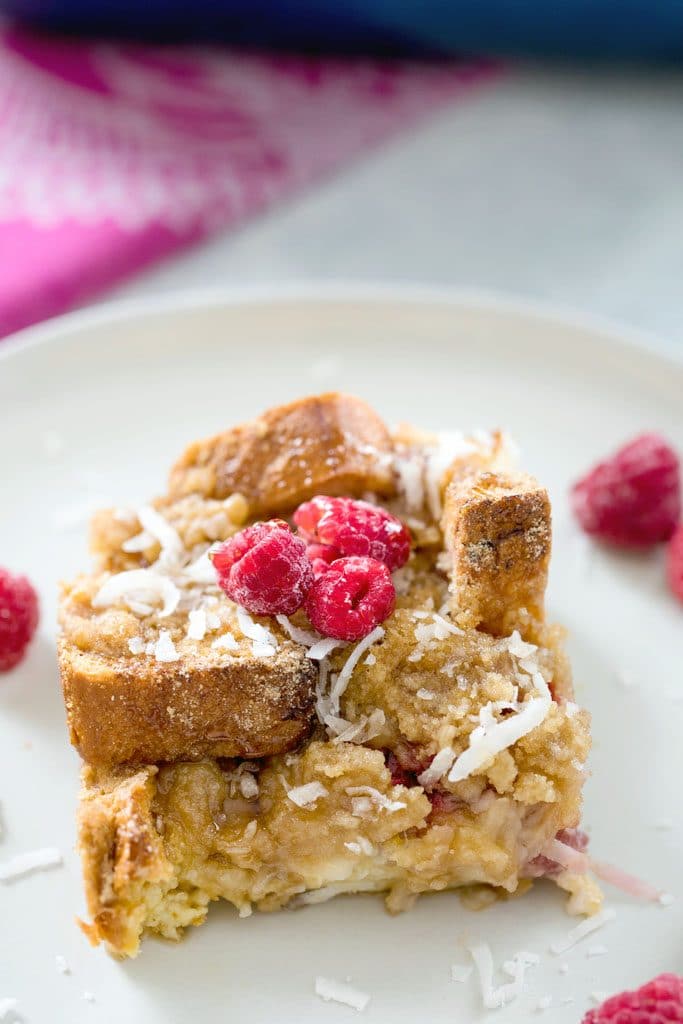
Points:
633	498
18	618
355	528
674	562
264	568
351	598
660	1001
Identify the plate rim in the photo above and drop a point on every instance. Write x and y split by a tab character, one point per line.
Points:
640	346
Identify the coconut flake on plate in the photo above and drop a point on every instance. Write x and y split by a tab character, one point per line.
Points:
26	863
581	930
306	795
62	965
516	968
341	992
140	590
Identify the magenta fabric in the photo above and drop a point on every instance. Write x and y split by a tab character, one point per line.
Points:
113	156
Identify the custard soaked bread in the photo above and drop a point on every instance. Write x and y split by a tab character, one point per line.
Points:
154	667
246	756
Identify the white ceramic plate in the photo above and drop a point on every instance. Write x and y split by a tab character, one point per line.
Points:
95	407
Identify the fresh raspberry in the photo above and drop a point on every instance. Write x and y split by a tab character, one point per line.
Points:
264	568
674	562
351	598
322	556
355	528
660	1001
404	764
632	499
443	803
18	618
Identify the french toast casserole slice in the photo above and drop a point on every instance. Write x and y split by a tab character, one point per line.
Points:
443	750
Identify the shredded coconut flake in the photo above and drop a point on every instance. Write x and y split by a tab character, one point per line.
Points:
153	523
138	588
164	648
596	950
515	968
320	650
410	472
518	648
264	644
201	571
438	768
340	992
489	738
62	965
353	847
580	931
299	636
140	542
306	795
423	694
136	645
225	642
196	624
379	799
26	863
357	653
622	880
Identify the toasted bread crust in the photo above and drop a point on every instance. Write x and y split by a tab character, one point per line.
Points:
123	712
327	444
120	852
497	529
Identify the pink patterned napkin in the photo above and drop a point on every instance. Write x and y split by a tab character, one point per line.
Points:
113	155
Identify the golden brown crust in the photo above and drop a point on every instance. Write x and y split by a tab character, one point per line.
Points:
497	529
124	711
121	851
326	444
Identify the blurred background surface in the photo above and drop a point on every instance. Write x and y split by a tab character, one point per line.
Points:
539	155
